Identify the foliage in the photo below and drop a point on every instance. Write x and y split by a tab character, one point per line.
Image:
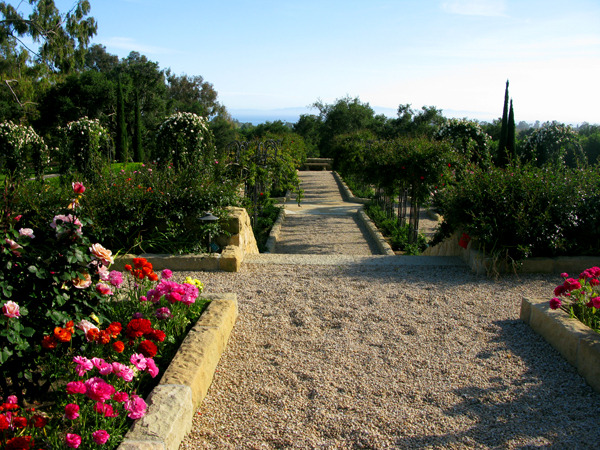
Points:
553	144
397	233
184	140
21	151
581	297
84	142
519	212
467	139
143	209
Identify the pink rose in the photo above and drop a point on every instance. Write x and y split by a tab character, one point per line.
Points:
26	232
82	283
72	440
102	254
14	247
72	411
104	289
83	365
151	367
10	309
138	360
100	437
166	274
120	397
78	187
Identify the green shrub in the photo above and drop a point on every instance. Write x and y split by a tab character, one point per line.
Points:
398	234
526	211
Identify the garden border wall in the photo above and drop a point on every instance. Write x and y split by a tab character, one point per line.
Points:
577	343
185	383
238	243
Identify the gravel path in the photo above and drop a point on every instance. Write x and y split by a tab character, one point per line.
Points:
381	356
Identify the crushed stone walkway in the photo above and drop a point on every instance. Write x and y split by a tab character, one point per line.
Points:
367	351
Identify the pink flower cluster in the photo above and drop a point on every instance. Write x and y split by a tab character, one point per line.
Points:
61	219
120	370
174	292
585	283
11	310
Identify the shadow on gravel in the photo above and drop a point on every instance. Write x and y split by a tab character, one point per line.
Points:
550	406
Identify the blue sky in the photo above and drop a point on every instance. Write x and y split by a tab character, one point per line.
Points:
452	54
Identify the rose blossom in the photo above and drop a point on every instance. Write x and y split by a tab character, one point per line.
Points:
78	187
138	360
115	278
103	289
26	232
102	254
120	397
10	309
13	246
166	274
72	411
151	367
100	437
82	283
66	219
73	440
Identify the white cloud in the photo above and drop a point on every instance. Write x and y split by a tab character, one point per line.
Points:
129	44
475	7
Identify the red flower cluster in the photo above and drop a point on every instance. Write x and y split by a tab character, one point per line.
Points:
65	334
12	420
142	328
59	334
141	269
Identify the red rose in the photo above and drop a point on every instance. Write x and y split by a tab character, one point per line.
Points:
118	346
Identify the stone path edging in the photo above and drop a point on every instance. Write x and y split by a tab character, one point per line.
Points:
347	194
382	245
183	386
577	343
275	230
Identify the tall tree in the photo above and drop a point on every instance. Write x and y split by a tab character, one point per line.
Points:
502	157
121	144
138	152
510	135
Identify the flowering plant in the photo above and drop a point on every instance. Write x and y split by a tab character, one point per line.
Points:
580	297
19	145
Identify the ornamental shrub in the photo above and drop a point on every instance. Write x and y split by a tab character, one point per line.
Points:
521	212
184	140
84	148
22	151
553	144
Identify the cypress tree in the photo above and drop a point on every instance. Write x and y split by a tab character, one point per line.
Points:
121	144
502	159
510	135
138	152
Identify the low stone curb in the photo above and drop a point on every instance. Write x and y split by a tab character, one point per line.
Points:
275	231
577	343
183	386
382	245
347	194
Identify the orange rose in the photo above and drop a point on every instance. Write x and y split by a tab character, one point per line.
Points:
118	346
80	283
49	342
102	254
62	334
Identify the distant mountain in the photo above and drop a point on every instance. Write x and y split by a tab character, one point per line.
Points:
258	116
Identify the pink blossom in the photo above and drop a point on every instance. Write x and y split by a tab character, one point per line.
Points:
166	274
12	399
83	365
163	313
26	232
14	247
102	254
105	409
595	302
11	310
138	360
78	187
115	278
73	440
120	397
122	371
103	273
103	367
86	325
136	407
61	218
151	367
555	303
76	387
103	289
100	437
72	411
98	389
564	275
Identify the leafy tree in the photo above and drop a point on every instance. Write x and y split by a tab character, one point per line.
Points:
425	122
121	144
192	94
467	139
309	127
62	39
98	59
138	150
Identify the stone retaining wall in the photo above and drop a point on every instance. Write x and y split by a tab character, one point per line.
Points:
236	244
577	343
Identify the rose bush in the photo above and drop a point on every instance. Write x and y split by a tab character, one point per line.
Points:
580	297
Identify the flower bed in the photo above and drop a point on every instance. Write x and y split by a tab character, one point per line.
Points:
81	344
569	322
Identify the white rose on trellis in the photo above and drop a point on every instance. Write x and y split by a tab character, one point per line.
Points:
21	148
